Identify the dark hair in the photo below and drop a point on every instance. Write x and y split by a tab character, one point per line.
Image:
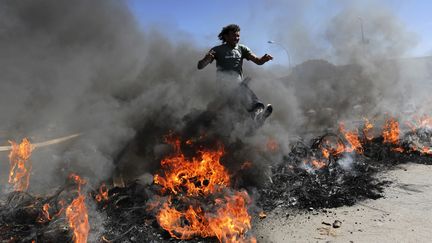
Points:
226	30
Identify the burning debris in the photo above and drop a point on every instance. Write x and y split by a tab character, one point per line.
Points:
62	215
29	215
341	169
198	200
20	165
192	198
76	214
192	195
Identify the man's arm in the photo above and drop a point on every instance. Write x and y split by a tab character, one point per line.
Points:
209	57
259	60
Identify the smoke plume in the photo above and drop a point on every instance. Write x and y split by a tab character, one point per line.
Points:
88	67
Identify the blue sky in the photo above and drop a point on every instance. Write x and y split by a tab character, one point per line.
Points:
200	21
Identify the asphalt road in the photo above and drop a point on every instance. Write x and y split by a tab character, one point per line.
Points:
403	215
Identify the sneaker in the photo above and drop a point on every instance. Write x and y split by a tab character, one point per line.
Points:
262	113
268	110
257	112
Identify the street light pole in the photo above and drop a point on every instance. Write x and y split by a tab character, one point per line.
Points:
361	28
283	47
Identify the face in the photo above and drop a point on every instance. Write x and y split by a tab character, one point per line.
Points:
232	38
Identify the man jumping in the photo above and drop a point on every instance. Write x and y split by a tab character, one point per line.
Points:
229	61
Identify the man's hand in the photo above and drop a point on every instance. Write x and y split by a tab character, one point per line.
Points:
259	60
266	58
208	58
210	55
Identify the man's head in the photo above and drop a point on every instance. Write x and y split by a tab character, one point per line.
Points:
230	34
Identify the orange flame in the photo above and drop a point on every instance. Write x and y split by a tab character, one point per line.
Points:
332	148
272	145
246	165
203	175
77	215
352	138
183	225
367	128
325	153
391	131
20	165
424	121
103	193
398	149
78	219
318	164
45	216
190	180
232	219
420	122
78	180
314	163
426	150
228	224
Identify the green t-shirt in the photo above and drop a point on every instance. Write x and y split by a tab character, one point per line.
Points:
229	59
